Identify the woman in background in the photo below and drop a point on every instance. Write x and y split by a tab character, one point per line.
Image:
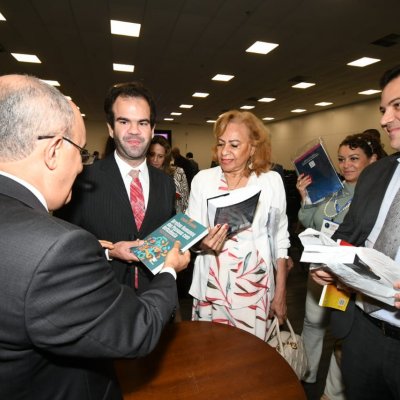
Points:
159	156
354	154
240	280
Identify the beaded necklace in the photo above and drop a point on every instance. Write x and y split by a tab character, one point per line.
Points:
336	206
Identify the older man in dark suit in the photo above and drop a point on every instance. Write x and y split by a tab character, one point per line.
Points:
371	330
101	196
64	316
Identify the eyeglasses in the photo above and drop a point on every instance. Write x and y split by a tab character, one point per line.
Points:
85	155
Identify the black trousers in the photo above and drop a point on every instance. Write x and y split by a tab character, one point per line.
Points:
370	362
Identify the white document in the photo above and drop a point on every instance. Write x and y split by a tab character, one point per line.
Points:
363	269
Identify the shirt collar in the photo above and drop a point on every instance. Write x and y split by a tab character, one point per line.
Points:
125	168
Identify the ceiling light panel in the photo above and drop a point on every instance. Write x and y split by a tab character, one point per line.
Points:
303	85
266	99
50	82
176	113
125	28
268	118
245	107
200	94
222	77
363	62
186	106
298	110
2	17
261	47
323	103
30	58
369	92
123	67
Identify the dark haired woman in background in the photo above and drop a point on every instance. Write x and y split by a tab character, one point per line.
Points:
159	156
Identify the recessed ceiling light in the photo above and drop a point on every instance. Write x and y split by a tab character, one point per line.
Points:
246	107
26	58
298	110
268	118
324	104
200	94
369	92
50	82
168	119
363	62
303	85
176	113
211	121
2	17
266	99
83	115
125	28
222	77
261	47
123	67
186	106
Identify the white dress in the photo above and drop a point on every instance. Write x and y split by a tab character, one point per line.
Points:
237	286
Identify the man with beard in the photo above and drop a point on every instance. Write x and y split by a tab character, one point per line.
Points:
101	196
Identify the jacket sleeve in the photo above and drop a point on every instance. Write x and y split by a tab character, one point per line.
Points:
75	307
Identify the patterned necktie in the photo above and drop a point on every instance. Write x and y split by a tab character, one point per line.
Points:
387	242
136	198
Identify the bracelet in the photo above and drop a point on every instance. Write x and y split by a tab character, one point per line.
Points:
196	251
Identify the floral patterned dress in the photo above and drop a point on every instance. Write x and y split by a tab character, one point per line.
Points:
182	190
238	285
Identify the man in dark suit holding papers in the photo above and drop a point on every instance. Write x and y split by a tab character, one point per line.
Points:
371	330
64	316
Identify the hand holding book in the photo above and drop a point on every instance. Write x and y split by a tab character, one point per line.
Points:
303	181
215	239
314	161
156	246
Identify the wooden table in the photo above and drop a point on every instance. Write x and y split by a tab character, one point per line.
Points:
207	361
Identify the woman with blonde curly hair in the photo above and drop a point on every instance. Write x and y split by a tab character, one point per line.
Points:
240	280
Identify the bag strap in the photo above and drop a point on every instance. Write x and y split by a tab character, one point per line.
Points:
274	328
292	334
271	329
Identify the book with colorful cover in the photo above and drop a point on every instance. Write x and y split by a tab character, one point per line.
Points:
236	208
333	297
180	227
315	162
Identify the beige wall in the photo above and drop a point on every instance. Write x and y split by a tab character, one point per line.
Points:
287	136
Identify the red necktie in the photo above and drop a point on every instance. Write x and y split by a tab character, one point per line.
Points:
136	198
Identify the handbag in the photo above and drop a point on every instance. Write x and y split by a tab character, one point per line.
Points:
289	345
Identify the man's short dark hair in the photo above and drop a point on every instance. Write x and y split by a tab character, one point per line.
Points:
189	154
389	75
128	89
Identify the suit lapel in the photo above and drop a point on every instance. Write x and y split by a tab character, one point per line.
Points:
11	188
113	179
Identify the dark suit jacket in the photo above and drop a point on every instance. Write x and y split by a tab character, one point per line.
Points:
100	204
64	316
360	220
